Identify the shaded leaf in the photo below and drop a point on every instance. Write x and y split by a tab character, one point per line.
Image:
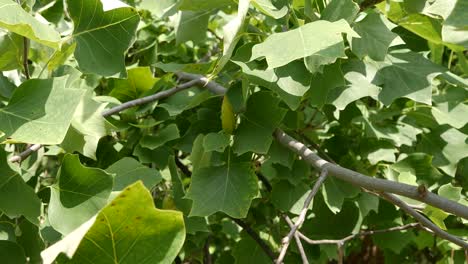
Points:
16	197
376	36
191	26
229	188
262	117
340	9
163	136
127	171
78	195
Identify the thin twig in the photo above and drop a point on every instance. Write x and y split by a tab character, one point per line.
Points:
424	221
300	220
370	183
182	167
140	101
255	237
206	252
25	53
298	240
150	98
362	233
23	155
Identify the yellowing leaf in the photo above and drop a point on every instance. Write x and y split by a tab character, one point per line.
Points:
228	118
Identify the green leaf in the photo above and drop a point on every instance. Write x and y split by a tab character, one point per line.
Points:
280	154
138	81
16	197
36	112
160	9
78	195
15	19
231	32
247	251
203	5
288	197
11	252
193	224
266	7
191	26
6	87
281	48
87	128
103	31
10	51
124	232
368	202
31	241
184	100
335	191
398	133
340	9
229	188
424	26
216	142
322	85
127	171
408	74
290	82
450	192
262	117
450	107
418	164
447	146
327	224
395	241
376	36
198	68
164	135
436	215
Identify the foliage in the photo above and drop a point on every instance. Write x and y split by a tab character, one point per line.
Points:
378	87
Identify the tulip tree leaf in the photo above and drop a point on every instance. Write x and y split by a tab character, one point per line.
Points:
78	195
128	171
102	35
16	197
290	81
124	232
203	5
258	123
376	36
10	51
447	146
231	32
36	112
229	188
267	7
15	19
281	48
340	9
88	126
138	81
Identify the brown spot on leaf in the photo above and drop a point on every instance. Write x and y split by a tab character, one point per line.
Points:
138	218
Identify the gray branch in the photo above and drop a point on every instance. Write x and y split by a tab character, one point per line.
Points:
300	220
370	183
